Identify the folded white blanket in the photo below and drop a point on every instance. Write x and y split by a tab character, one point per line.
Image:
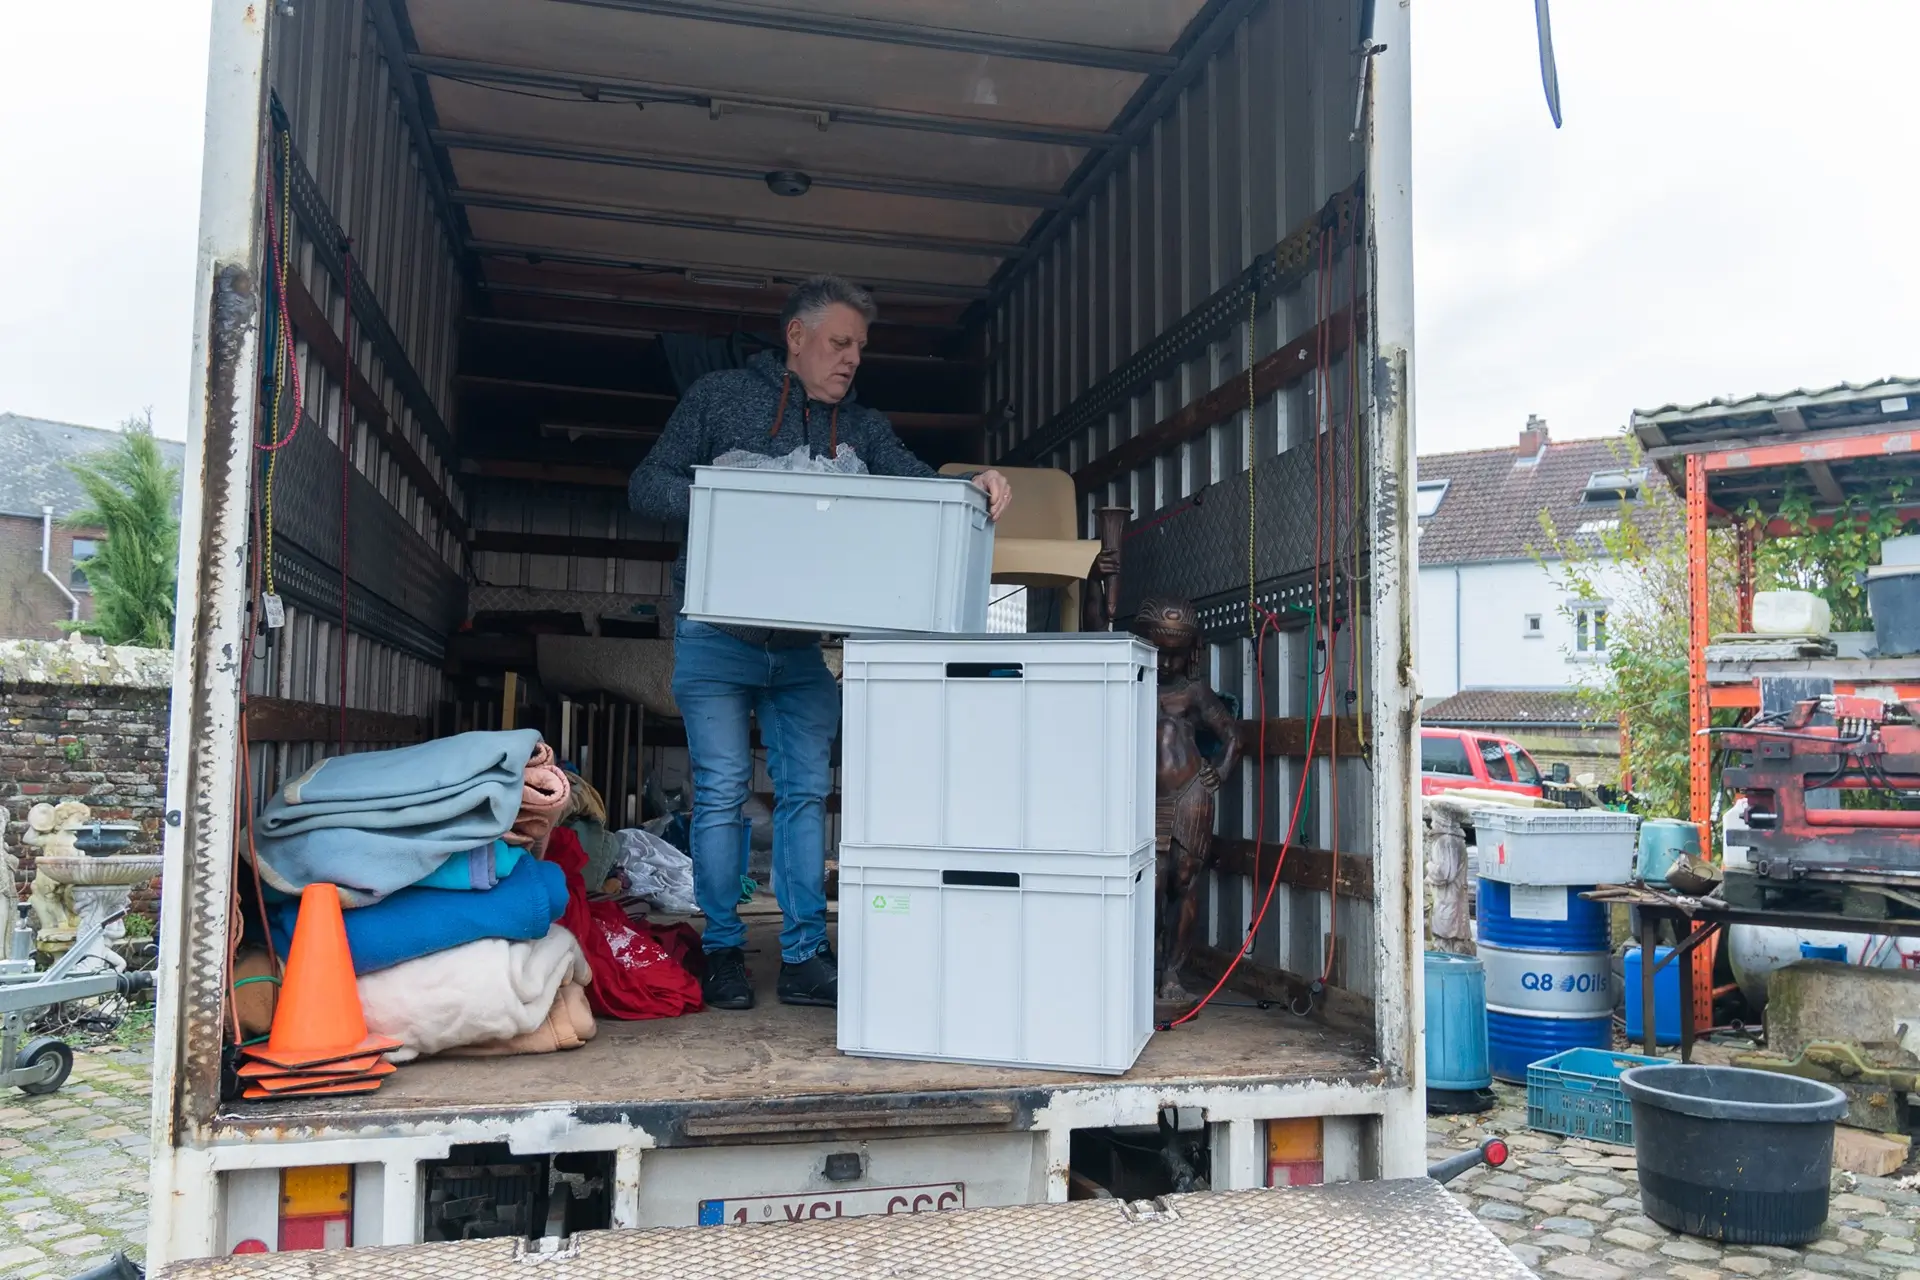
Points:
486	990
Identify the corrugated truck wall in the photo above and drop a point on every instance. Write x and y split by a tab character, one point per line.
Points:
355	200
1231	232
639	552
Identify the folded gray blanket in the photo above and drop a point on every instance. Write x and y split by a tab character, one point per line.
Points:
378	821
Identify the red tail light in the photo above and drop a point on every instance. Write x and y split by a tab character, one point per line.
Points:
1496	1152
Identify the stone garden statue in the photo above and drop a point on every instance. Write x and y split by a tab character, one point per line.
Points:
1186	781
9	890
51	831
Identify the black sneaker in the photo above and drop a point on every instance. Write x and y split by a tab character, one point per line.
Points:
814	981
726	985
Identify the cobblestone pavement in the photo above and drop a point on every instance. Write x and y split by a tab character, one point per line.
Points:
1572	1209
73	1168
73	1189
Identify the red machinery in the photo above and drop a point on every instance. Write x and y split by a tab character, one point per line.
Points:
1797	850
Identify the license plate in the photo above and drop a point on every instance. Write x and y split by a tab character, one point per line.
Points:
931	1198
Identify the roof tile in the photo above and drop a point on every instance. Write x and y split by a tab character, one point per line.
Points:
1482	707
1492	506
33	457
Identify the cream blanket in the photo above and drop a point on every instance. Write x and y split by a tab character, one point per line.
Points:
488	990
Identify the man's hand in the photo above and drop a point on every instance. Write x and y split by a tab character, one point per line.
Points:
1106	564
1209	778
999	492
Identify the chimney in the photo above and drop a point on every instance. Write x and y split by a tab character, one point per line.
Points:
1533	442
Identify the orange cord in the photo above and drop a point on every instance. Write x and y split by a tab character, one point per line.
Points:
1270	624
780	416
1325	457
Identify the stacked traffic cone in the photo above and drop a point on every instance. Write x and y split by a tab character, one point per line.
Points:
319	1043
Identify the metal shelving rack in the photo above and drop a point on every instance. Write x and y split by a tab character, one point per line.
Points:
1727	457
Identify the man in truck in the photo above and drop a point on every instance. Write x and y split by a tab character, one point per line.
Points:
724	675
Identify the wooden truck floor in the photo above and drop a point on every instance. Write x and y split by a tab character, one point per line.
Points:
717	1060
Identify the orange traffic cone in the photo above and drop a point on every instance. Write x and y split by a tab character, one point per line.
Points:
318	1018
327	1086
266	1071
293	1084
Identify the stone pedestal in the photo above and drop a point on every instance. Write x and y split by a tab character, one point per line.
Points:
99	889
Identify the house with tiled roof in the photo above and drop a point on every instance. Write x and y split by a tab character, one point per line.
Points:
1504	645
41	584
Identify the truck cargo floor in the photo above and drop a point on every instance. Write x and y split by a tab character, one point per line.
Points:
715	1061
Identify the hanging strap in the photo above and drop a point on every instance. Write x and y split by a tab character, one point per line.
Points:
780	416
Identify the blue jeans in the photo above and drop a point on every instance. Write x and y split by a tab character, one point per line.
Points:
719	681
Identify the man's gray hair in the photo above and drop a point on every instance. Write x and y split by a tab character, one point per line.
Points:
810	299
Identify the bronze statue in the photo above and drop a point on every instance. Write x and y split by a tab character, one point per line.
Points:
1185	783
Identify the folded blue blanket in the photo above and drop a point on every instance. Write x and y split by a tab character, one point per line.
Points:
378	821
417	922
480	867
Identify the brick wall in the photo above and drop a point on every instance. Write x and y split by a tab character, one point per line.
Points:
30	606
88	723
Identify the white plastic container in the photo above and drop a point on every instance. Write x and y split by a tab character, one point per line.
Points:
1531	846
800	551
1030	960
1791	613
1733	837
1903	551
1009	742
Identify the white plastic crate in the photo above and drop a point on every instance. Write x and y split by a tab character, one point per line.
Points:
1535	846
1011	742
1030	960
807	552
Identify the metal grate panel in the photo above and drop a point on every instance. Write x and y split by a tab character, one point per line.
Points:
404	592
1198	549
1410	1230
1223	617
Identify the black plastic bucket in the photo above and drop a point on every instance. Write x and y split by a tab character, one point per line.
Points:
1731	1154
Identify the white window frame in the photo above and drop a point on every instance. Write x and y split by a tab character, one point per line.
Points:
75	578
1422	488
1622	484
1580	612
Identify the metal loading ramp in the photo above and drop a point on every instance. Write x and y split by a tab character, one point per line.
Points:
1402	1230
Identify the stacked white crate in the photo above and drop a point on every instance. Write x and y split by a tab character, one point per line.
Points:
996	864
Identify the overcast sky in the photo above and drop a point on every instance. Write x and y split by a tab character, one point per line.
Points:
1729	209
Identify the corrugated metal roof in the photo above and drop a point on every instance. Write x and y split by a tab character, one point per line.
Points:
34	454
1722	406
1807	417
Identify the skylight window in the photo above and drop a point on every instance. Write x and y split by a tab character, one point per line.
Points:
1427	497
1615	486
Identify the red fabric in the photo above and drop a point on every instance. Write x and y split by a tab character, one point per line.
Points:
635	972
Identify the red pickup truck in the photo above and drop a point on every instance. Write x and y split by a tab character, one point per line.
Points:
1453	759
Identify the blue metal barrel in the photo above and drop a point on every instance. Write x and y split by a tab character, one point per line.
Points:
1548	973
1582	925
1515	1040
1456	1023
